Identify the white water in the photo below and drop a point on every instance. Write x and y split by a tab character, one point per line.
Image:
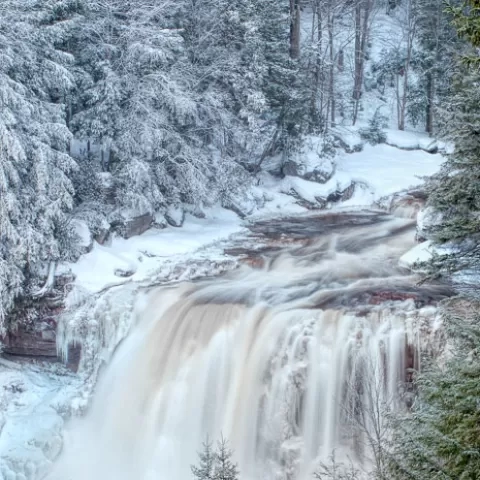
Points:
289	363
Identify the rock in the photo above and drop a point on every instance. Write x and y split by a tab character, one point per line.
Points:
124	273
241	205
312	163
103	233
134	226
426	219
319	172
407	204
273	165
85	237
175	216
159	221
198	212
350	142
342	195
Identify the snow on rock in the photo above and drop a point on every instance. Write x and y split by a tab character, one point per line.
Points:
427	218
420	253
175	216
142	255
310	163
315	193
387	170
131	225
85	238
348	138
411	141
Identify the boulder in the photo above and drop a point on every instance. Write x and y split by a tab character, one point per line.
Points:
133	226
175	216
242	205
426	219
159	221
312	163
102	234
84	235
124	272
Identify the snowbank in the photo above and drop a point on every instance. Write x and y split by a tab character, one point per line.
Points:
386	170
139	257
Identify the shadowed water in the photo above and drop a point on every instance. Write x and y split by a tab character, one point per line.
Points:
288	361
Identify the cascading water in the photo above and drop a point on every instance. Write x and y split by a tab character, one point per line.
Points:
288	362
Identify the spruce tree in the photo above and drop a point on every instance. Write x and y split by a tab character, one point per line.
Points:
455	192
206	463
224	469
216	465
440	438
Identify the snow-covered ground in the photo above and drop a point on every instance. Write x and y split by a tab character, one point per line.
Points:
35	398
139	257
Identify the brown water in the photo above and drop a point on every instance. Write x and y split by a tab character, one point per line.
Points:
289	361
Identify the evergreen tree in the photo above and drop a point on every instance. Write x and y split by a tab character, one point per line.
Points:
206	465
440	438
216	465
35	167
224	469
455	192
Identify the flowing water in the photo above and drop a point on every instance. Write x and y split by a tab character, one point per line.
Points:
289	362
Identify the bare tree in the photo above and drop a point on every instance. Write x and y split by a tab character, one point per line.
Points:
407	18
295	16
363	14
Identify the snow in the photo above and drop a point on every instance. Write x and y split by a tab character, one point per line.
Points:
419	253
142	255
30	417
387	170
379	171
310	191
409	140
83	232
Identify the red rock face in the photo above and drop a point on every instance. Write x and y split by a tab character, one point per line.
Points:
36	340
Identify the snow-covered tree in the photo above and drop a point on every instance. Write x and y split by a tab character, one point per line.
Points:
215	465
35	166
440	438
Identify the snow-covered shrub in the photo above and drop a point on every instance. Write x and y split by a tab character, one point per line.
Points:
375	133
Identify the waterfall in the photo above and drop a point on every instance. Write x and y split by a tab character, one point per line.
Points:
289	362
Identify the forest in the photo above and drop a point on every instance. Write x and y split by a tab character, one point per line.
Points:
111	109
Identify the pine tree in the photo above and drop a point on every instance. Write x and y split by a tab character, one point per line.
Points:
224	469
207	459
440	438
216	465
35	166
455	192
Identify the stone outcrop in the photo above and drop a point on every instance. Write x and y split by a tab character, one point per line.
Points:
133	226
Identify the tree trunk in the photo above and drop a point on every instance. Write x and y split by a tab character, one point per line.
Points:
361	37
294	29
410	37
430	103
332	65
